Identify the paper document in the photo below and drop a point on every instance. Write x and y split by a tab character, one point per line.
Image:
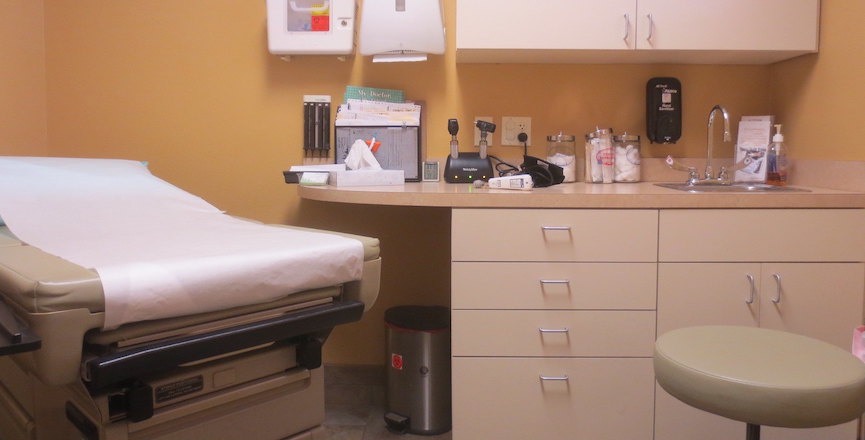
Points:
752	147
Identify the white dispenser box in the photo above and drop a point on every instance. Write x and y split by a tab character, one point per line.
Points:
310	27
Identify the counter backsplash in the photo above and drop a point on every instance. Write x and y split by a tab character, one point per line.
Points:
831	174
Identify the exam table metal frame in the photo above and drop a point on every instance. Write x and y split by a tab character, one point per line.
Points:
107	392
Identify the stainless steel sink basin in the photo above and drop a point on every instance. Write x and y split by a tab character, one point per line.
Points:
732	188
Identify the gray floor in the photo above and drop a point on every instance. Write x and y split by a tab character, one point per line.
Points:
354	405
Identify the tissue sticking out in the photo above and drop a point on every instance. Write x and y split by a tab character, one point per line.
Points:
360	157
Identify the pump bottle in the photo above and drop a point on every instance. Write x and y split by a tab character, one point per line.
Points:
776	173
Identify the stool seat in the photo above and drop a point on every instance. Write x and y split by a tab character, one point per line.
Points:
761	376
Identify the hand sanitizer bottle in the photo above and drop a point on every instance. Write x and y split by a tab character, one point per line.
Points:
776	173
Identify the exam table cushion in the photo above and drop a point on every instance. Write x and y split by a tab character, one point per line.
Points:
159	251
39	282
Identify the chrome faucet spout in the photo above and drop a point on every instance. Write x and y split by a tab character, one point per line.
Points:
710	141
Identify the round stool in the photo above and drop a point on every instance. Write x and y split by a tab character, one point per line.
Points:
760	376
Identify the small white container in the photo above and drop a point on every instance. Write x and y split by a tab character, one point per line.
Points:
627	149
562	151
600	159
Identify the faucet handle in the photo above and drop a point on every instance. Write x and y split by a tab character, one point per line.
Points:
693	175
725	173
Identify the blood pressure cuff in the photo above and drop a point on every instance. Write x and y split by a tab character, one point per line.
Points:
543	173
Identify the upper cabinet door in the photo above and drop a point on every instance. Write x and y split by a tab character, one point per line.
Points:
728	25
635	31
495	30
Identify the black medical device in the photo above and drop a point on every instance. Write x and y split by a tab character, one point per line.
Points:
468	167
663	110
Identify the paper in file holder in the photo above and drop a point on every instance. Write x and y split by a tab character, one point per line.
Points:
400	147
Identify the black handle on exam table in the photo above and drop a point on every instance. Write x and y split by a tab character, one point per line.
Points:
14	336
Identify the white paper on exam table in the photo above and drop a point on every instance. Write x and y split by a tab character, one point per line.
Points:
160	251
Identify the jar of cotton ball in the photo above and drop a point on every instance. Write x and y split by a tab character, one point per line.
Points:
562	151
627	148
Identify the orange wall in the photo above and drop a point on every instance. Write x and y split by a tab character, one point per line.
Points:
189	86
23	129
819	97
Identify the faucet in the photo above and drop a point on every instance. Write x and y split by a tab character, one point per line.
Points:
724	174
710	139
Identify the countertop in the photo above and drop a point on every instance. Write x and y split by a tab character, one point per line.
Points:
576	195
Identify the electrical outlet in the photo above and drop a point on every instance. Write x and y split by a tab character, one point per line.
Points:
478	132
513	126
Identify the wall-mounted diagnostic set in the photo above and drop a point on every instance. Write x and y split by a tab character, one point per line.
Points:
663	110
464	167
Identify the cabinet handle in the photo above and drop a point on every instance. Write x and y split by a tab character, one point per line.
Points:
556	228
627	28
753	289
553	330
560	378
777	298
651	28
555	282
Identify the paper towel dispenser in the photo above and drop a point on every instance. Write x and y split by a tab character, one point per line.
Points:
401	30
310	27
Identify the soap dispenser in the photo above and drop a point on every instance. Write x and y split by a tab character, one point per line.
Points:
776	173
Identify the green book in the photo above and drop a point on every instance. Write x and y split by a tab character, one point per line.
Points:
373	94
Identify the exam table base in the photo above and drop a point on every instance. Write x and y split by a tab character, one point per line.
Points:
273	402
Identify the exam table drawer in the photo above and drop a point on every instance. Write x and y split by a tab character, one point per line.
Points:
506	285
554	235
506	399
553	333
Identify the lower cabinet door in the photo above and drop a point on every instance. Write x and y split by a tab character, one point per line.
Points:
552	398
678	421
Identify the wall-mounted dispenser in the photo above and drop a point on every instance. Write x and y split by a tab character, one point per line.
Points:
401	30
310	27
663	110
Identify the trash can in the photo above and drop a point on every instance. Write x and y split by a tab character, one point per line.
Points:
419	369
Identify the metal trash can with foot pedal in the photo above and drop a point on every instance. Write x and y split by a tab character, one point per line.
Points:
418	369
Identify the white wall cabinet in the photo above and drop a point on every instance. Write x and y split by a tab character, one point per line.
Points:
667	31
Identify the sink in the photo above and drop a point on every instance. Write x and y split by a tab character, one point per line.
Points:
731	188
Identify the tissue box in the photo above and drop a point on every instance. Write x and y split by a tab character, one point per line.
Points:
400	146
367	177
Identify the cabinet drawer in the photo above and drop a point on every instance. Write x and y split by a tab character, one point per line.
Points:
600	286
504	399
552	333
554	235
762	235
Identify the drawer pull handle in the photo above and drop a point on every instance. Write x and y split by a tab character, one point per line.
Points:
554	330
777	298
555	282
556	228
753	289
559	378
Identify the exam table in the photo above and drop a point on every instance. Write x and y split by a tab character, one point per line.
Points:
246	372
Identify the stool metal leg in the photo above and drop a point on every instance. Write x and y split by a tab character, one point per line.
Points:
753	432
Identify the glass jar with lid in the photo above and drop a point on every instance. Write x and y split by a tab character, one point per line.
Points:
627	150
562	151
599	156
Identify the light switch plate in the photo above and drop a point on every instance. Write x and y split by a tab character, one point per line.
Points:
513	126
